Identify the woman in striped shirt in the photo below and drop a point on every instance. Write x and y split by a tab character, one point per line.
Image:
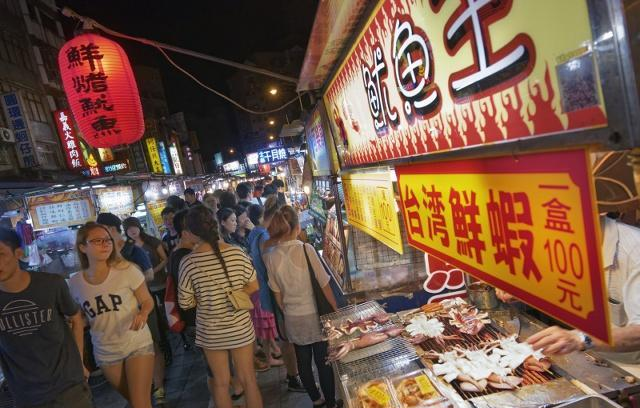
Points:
206	275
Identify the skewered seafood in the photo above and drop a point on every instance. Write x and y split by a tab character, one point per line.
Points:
348	327
365	340
421	328
468	320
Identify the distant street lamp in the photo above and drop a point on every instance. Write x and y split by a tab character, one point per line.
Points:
232	151
272	122
273	91
271	137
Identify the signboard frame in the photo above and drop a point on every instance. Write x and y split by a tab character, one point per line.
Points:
33	202
614	65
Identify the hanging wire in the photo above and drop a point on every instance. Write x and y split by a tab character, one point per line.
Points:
89	24
234	103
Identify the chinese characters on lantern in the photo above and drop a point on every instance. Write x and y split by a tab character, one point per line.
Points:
526	226
18	122
273	155
90	83
70	143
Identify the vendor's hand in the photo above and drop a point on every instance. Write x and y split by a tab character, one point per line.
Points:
555	340
138	322
505	297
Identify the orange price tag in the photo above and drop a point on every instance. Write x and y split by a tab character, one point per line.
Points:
377	394
425	385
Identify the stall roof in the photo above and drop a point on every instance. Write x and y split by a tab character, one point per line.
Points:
334	25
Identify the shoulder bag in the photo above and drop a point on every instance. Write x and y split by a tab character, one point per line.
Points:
322	304
239	299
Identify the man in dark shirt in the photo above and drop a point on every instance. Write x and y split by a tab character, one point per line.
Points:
170	236
40	356
190	197
243	190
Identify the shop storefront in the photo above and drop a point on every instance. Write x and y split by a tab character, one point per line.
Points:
467	138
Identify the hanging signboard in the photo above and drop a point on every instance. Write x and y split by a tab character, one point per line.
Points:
15	115
331	247
316	145
274	155
164	158
371	206
69	139
175	158
231	166
61	210
252	159
526	225
116	200
154	155
427	76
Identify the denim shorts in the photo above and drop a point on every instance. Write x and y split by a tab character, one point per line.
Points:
116	359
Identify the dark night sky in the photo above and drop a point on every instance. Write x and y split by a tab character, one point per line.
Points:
230	29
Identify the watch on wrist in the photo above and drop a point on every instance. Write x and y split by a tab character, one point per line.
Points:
587	342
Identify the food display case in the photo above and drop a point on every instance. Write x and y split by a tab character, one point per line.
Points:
463	337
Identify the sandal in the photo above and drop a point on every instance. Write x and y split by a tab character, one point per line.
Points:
235	397
276	356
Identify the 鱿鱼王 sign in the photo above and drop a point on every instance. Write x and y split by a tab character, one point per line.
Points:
427	76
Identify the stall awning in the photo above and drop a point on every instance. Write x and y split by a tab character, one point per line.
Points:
334	25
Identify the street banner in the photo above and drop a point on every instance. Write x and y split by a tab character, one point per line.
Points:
523	224
428	76
371	206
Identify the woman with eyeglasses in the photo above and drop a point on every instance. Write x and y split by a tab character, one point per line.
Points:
114	297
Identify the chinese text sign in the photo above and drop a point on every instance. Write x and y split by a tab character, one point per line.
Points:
276	154
426	76
525	225
18	123
371	206
69	139
154	155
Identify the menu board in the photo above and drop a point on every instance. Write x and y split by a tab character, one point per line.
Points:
332	249
116	200
317	146
61	210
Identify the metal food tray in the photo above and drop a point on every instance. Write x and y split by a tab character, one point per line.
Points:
353	312
378	360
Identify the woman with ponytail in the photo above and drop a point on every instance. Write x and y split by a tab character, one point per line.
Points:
288	261
206	276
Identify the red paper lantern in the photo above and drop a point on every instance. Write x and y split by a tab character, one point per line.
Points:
101	90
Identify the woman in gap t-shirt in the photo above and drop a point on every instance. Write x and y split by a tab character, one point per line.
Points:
114	297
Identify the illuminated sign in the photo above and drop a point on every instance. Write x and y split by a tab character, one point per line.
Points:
69	139
231	166
154	155
164	158
526	224
427	76
252	159
276	154
175	158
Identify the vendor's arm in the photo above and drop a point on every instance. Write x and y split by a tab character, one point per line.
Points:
555	340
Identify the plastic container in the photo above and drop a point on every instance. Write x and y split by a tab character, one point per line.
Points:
418	390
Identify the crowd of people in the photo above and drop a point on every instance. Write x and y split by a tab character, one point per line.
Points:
222	272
